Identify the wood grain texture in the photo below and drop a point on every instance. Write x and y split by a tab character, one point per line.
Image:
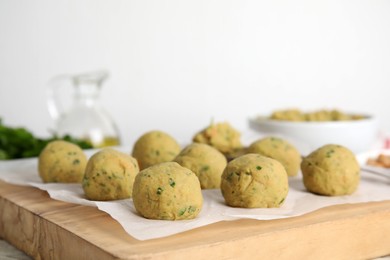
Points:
48	229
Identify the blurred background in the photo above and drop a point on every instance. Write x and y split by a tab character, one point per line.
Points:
176	65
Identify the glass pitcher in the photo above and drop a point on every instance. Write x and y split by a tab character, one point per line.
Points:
83	118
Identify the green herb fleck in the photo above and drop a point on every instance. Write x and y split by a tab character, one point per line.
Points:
172	183
76	161
191	209
205	168
182	211
329	153
85	183
159	190
258	167
230	176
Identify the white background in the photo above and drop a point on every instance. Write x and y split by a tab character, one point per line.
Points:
176	64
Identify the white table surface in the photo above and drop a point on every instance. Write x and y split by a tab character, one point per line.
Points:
9	252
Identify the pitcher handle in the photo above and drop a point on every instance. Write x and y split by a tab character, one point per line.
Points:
54	102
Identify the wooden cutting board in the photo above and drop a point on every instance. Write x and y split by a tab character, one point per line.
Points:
48	229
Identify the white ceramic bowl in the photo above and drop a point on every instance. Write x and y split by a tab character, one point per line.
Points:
357	135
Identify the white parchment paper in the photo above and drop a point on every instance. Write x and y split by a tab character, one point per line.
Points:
373	187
